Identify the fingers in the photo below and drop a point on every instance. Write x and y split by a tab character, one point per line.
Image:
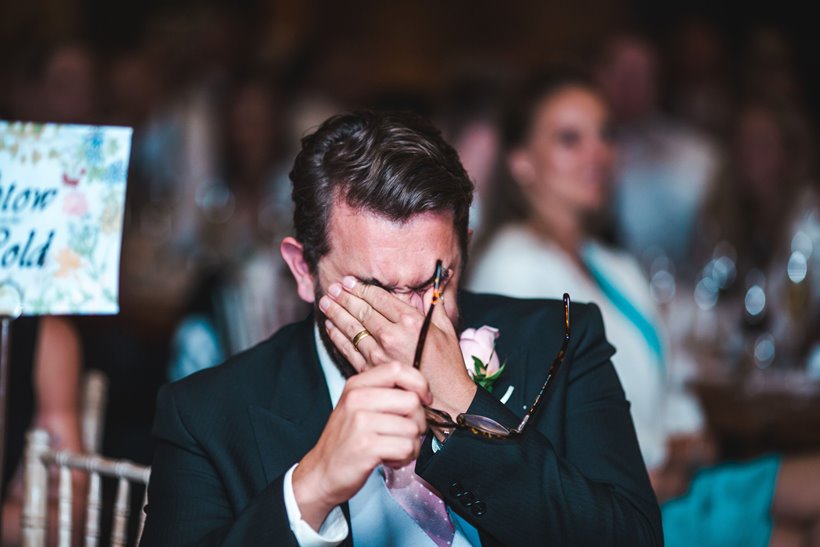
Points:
441	319
364	295
409	412
351	313
397	440
393	375
379	419
399	451
391	425
383	400
343	344
348	316
368	306
352	307
342	318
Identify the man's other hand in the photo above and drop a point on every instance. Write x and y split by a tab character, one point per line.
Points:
379	420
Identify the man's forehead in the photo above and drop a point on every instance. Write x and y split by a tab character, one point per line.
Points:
394	254
343	218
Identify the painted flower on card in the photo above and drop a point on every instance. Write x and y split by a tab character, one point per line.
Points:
480	358
92	147
111	217
68	262
114	172
75	204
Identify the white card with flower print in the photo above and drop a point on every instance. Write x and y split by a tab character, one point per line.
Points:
62	200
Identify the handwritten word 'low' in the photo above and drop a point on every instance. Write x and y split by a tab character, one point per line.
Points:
13	200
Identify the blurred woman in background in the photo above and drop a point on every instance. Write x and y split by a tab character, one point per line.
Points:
559	158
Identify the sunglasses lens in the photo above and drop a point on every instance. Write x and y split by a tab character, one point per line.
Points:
482	423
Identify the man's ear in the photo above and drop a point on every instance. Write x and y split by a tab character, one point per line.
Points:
293	254
521	167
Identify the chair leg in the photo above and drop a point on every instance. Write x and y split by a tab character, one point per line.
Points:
93	509
35	502
142	515
65	500
120	533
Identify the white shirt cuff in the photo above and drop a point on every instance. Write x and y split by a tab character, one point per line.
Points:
333	530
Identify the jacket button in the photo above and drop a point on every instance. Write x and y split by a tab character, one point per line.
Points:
456	489
478	508
467	499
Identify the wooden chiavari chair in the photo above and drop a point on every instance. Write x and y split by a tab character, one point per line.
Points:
39	456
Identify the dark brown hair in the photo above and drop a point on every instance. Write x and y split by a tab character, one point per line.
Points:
396	165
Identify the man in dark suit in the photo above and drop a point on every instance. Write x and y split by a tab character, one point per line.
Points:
307	438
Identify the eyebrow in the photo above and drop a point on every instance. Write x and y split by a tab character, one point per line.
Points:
445	275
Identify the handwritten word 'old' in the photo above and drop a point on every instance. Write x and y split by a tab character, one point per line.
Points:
29	254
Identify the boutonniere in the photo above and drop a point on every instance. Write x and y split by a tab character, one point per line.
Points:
480	358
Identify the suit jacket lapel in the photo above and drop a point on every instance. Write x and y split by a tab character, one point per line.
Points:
295	412
295	403
508	348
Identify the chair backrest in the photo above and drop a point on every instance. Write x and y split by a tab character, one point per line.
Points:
94	402
39	457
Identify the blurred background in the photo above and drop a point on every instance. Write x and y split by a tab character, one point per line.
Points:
713	193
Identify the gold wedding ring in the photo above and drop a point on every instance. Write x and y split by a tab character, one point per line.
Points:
364	333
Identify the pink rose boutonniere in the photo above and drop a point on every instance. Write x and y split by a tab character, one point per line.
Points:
480	358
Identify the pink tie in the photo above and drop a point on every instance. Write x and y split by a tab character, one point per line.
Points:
421	501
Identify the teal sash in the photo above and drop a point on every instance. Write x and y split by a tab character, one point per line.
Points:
623	304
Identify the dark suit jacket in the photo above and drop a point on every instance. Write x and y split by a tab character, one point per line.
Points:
227	435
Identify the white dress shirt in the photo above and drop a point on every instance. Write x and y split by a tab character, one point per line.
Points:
376	518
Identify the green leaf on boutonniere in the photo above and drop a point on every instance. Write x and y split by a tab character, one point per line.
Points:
497	373
479	367
485	381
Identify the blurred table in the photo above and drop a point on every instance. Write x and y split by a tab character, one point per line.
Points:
764	412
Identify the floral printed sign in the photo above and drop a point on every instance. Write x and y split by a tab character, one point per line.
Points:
62	198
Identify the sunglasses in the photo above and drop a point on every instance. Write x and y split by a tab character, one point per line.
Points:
483	426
